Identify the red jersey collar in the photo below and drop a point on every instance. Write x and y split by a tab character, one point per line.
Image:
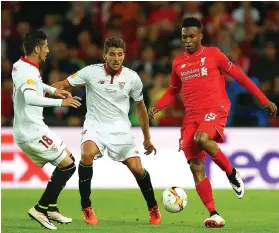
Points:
109	73
198	52
29	62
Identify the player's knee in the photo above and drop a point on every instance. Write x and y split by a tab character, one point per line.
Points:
87	157
201	139
196	166
137	169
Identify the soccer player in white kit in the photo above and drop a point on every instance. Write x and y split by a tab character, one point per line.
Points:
109	87
32	135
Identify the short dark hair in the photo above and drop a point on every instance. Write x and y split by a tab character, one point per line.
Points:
191	22
31	40
114	42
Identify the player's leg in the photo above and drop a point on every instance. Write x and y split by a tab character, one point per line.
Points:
204	190
143	179
196	157
50	148
58	180
85	172
210	131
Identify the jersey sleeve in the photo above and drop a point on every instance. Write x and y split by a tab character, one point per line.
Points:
27	83
175	81
80	78
223	62
136	92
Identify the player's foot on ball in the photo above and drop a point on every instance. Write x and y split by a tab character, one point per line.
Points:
215	221
155	215
89	216
41	218
55	215
237	183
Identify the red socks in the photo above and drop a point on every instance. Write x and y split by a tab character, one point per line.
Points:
223	162
204	190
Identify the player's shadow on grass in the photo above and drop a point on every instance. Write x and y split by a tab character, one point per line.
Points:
146	224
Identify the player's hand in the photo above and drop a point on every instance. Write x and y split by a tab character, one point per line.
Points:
71	102
148	146
62	94
271	108
152	111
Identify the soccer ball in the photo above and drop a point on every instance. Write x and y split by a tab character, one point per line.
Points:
174	199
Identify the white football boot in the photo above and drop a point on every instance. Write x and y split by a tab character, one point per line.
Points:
58	217
237	183
215	221
41	218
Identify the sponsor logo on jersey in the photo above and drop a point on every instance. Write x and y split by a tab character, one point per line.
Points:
30	82
110	90
183	66
121	85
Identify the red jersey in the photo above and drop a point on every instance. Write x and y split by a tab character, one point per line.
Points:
201	77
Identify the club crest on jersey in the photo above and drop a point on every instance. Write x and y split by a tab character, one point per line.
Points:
101	82
203	61
121	85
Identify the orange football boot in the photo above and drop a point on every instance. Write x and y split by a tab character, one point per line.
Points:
89	216
155	215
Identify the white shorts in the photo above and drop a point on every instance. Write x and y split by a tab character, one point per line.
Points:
49	148
119	146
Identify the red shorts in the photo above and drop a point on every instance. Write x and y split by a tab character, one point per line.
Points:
211	122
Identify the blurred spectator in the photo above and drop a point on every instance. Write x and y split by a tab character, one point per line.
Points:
6	102
52	29
14	49
247	32
147	62
192	9
267	69
246	11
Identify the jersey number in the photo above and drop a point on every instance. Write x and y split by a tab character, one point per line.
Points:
46	141
210	116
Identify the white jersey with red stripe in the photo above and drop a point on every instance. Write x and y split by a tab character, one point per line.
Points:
28	120
108	96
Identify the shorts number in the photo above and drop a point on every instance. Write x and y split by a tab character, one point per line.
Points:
46	141
210	116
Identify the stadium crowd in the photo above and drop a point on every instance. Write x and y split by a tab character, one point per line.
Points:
247	32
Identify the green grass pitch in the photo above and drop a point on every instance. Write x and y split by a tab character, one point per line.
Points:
122	211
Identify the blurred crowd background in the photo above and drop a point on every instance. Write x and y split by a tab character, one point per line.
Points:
247	32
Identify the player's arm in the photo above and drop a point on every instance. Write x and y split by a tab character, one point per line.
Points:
228	67
169	96
136	94
77	79
56	92
32	98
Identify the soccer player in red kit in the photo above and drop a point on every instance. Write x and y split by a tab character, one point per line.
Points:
199	72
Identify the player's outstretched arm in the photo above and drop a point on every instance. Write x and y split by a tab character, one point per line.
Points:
56	92
62	85
32	98
169	96
144	124
231	69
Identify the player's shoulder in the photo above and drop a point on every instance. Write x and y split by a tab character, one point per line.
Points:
211	49
179	57
129	72
23	69
95	67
